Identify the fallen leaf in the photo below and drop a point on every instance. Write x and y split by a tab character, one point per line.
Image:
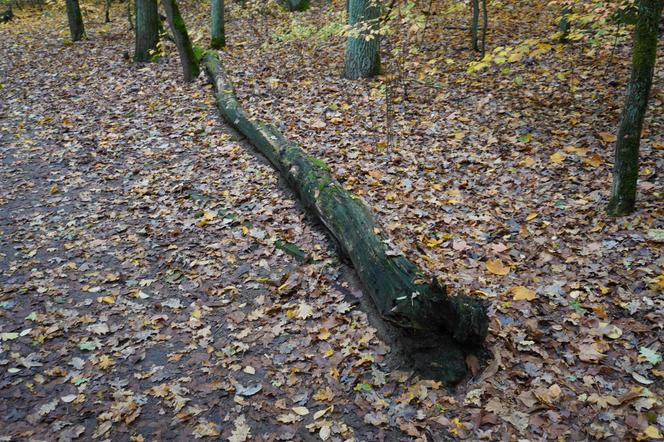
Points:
522	293
497	267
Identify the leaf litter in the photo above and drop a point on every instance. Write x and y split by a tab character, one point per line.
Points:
141	274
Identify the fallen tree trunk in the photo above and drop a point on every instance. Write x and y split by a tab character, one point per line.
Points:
400	291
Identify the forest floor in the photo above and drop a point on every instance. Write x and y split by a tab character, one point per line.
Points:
143	296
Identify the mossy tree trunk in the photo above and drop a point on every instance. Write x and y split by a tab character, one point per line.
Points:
626	163
362	57
400	291
218	34
297	5
188	60
147	30
75	19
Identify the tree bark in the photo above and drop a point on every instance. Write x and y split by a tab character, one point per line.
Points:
147	30
107	11
485	26
218	34
188	60
400	291
76	28
564	25
7	15
362	57
297	5
474	24
626	165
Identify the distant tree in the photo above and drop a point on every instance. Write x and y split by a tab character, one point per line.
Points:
474	24
363	47
190	68
107	11
7	14
218	35
644	53
147	29
76	29
297	5
564	25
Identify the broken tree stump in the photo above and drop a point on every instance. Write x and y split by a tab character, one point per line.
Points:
402	293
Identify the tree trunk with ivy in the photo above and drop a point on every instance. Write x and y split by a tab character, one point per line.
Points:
362	57
644	54
218	34
188	59
75	19
401	292
147	30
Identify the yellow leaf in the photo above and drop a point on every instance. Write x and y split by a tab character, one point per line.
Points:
245	230
607	137
433	242
497	267
528	162
105	362
614	332
652	432
54	188
321	413
522	293
557	158
106	300
302	411
581	151
324	334
594	161
532	216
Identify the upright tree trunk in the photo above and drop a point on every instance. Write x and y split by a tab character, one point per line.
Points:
218	35
190	67
485	25
563	27
297	5
7	14
474	24
363	50
129	17
107	12
626	165
147	29
76	29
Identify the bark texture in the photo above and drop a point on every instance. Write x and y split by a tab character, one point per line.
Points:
147	30
626	165
7	15
474	24
218	34
401	292
297	5
190	68
75	19
362	57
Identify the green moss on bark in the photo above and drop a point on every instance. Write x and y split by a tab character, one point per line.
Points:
626	165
